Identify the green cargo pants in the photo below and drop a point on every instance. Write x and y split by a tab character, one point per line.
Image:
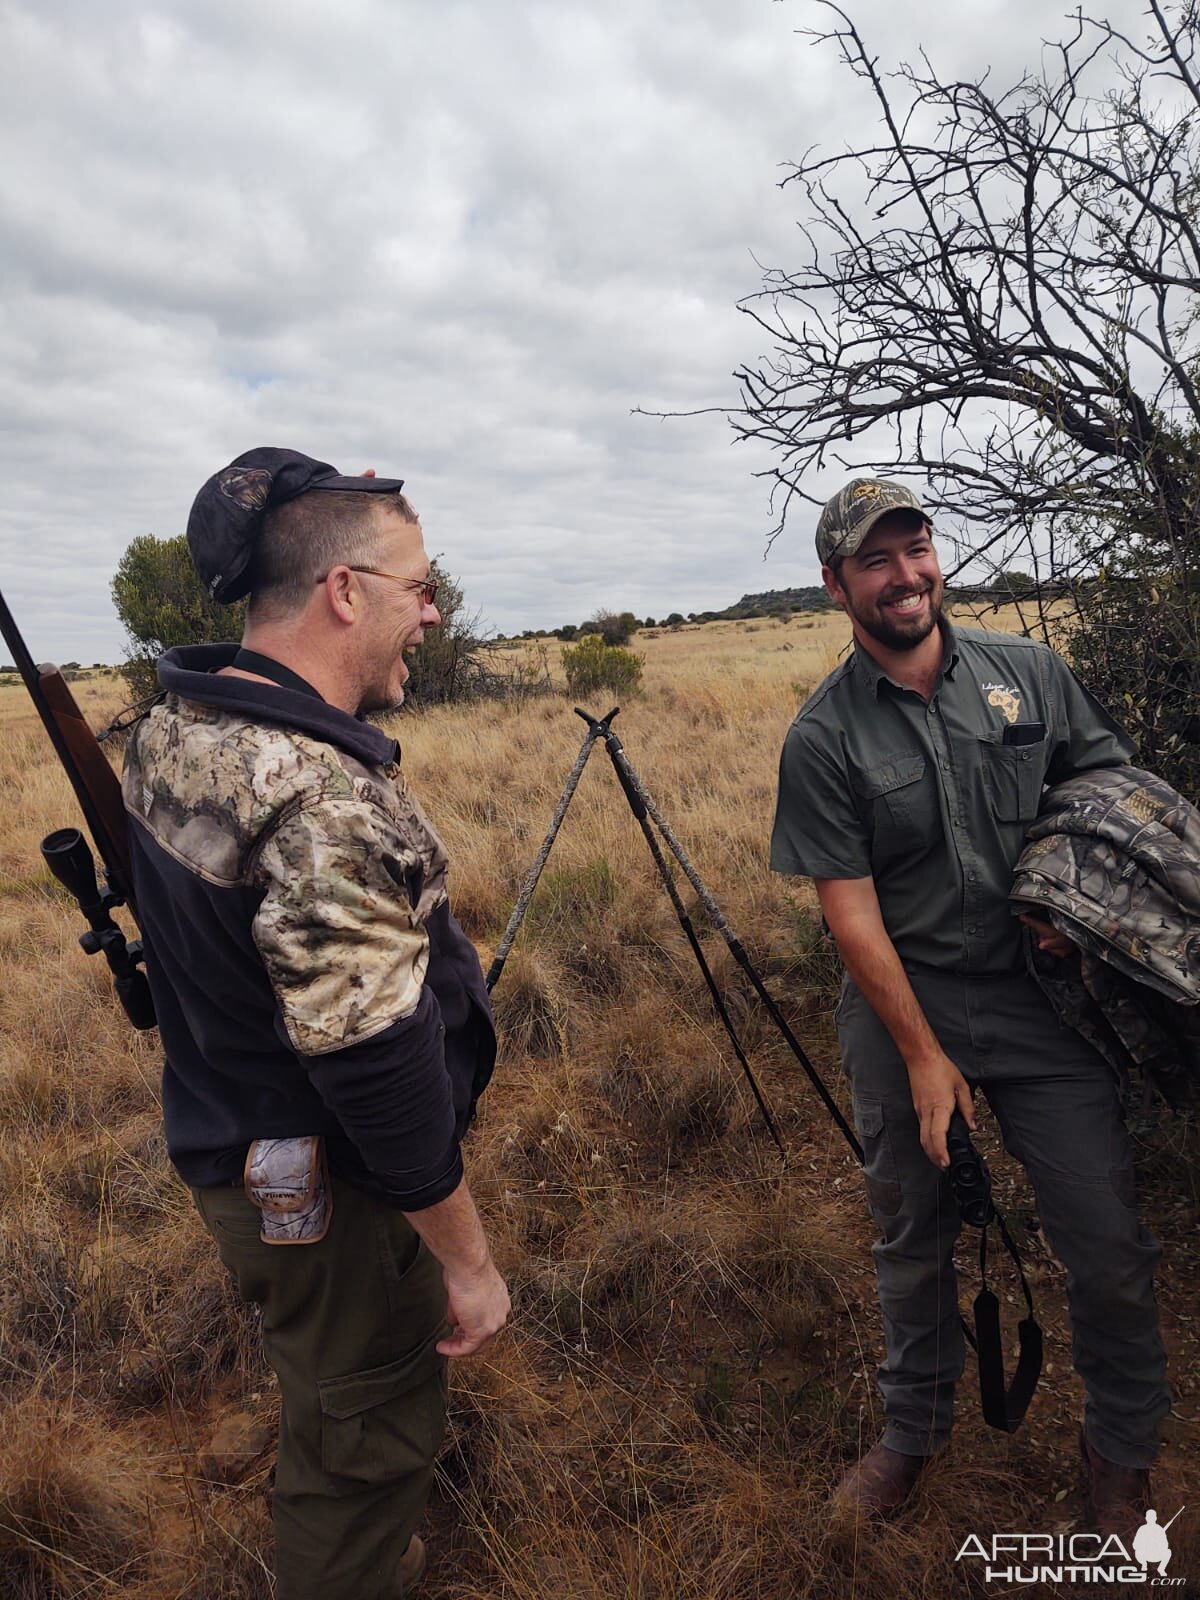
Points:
350	1326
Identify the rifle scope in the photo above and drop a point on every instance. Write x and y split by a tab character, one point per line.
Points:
66	853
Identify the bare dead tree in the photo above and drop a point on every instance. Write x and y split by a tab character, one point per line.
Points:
998	297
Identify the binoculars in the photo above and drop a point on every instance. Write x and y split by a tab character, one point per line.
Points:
969	1175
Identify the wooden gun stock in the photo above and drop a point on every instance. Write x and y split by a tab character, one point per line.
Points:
96	785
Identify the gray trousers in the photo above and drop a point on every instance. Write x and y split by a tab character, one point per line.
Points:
1057	1105
350	1326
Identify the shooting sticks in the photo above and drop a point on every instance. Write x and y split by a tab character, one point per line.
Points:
650	818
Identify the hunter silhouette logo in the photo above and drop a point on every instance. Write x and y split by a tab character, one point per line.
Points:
1150	1545
1087	1558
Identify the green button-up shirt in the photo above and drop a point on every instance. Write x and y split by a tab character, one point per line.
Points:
931	800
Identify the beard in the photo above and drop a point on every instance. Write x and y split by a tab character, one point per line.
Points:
894	630
384	676
379	700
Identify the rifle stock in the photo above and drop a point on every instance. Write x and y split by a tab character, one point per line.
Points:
96	785
98	792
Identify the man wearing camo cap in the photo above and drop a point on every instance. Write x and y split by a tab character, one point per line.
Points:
323	1016
906	784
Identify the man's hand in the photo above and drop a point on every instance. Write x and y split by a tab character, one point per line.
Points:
477	1304
1047	936
478	1307
937	1088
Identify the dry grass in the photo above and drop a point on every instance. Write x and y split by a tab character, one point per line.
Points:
691	1358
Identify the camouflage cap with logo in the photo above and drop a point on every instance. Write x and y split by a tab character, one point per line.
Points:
855	509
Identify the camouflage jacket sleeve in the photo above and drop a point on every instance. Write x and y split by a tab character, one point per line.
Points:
347	956
336	928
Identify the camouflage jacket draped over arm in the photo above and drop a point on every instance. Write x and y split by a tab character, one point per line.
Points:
1113	861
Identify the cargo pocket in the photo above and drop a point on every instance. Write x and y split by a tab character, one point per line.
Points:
384	1423
1013	774
879	1164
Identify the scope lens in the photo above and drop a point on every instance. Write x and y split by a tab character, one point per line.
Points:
61	841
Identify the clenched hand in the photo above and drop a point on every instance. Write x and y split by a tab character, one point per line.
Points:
938	1087
478	1307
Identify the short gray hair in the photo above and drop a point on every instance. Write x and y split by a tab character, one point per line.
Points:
303	538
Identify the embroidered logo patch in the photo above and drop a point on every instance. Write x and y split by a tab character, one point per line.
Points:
1142	805
1004	698
247	487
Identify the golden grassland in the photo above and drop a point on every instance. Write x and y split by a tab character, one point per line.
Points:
691	1359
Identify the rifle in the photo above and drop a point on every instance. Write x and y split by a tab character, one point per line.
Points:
66	851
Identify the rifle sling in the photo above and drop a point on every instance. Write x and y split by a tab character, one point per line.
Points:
1005	1408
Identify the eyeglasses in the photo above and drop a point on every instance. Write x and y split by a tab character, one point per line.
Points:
427	589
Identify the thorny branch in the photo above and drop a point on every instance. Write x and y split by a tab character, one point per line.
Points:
997	298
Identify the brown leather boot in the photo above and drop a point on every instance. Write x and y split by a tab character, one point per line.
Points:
1116	1498
879	1484
412	1565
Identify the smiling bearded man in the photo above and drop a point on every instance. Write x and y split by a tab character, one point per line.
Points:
906	785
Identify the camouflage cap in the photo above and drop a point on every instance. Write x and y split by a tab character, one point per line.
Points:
227	514
855	509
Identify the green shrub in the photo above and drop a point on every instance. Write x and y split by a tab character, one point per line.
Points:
162	603
591	665
614	627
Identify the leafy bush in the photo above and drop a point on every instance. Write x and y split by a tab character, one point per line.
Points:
613	627
448	666
162	604
592	665
1135	642
455	662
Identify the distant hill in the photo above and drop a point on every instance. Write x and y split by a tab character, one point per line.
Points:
784	602
772	601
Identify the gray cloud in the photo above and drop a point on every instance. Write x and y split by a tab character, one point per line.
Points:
454	241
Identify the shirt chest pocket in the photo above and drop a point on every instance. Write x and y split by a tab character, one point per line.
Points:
1013	775
895	801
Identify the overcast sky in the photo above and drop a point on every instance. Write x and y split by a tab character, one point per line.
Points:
455	240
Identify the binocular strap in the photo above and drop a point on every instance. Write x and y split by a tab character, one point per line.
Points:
1005	1407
